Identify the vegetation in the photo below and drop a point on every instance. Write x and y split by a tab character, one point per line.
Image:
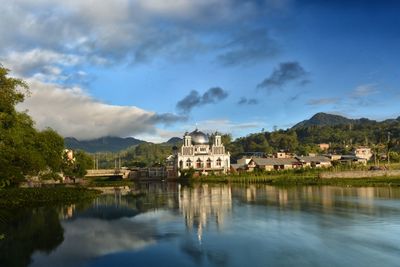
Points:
103	144
34	197
341	133
78	166
285	179
24	150
109	181
27	231
142	155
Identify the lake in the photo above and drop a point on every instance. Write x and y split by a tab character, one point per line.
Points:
211	225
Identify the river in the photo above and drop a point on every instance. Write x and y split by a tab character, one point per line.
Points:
212	225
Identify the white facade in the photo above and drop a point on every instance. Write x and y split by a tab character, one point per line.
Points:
202	154
363	153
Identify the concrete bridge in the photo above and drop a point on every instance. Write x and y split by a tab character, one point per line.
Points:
108	173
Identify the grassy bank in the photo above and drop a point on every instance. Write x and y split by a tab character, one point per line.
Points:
107	181
23	197
297	178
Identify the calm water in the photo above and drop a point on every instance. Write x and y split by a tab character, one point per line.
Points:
206	225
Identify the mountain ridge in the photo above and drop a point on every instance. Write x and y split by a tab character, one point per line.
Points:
102	144
327	119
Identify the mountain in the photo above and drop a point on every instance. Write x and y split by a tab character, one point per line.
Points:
103	144
325	119
174	141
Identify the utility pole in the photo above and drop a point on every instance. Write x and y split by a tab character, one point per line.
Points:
388	144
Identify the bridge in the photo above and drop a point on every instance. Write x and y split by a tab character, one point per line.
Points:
108	173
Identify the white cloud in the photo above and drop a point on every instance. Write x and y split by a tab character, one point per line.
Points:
72	112
364	90
43	64
123	30
86	239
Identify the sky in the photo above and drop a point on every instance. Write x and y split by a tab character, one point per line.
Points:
154	69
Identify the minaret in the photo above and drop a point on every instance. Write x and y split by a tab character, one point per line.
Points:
218	147
187	140
187	148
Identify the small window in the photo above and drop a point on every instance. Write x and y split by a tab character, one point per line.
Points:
188	163
208	163
218	162
199	163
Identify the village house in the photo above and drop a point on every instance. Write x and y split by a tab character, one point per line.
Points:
247	164
352	159
269	164
323	146
363	152
315	161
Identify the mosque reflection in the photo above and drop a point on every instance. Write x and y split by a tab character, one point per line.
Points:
202	204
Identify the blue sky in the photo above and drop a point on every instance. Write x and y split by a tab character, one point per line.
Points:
154	69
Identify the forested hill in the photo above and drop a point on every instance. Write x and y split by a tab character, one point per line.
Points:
325	119
342	133
103	144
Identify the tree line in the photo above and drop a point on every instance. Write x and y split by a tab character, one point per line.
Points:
24	150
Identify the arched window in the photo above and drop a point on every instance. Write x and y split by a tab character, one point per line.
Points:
181	164
219	162
188	163
208	163
199	163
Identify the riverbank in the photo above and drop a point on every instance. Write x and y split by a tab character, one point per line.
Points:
31	197
289	179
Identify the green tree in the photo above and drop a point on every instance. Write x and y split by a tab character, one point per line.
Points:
23	150
78	166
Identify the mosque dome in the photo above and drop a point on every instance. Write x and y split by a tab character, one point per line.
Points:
199	138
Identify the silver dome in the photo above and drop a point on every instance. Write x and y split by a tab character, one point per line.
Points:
199	138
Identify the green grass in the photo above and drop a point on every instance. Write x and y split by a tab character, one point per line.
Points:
288	179
23	197
107	181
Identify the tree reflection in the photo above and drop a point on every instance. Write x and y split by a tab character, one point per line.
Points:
27	231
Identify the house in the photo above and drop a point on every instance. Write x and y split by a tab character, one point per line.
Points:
269	164
363	152
351	159
315	161
283	155
333	157
323	146
238	167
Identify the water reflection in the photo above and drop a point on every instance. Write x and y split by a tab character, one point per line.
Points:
201	203
27	231
211	225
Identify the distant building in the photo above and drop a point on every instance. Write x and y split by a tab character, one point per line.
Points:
283	155
324	146
286	163
269	164
315	161
363	152
69	155
352	159
201	154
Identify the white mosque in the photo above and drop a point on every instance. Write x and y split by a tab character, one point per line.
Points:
203	153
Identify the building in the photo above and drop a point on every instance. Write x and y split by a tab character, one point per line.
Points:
323	146
269	164
315	161
363	153
205	154
282	154
246	164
